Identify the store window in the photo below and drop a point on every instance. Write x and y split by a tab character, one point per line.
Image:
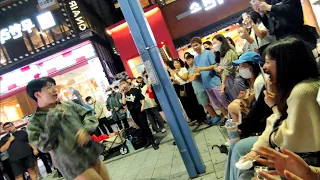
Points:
16	107
76	82
4	58
136	65
24	33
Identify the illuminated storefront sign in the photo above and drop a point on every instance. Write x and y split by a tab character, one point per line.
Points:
196	7
77	15
43	4
15	30
207	4
48	66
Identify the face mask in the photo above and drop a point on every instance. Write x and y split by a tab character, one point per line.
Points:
116	90
109	93
245	73
90	102
207	49
216	47
135	84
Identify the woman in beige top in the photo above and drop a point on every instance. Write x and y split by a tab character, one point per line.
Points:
230	85
292	92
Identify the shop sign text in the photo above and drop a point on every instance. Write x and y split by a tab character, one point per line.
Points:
46	3
15	30
207	4
196	7
77	15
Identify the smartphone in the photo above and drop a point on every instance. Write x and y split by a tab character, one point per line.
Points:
263	74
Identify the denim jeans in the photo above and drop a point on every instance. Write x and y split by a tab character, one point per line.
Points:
241	148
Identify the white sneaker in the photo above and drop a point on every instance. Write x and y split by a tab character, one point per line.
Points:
227	144
163	130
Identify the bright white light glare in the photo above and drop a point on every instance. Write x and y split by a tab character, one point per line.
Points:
209	4
4	35
131	64
220	1
15	31
46	20
27	25
195	7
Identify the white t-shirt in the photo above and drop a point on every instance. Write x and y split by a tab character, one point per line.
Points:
181	73
148	103
258	42
258	85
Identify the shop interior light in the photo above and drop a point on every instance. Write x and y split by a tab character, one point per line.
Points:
46	20
125	24
109	32
3	61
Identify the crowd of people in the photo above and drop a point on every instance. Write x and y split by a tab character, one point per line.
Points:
270	91
60	132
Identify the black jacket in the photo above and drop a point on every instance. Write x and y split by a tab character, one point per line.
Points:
286	18
255	121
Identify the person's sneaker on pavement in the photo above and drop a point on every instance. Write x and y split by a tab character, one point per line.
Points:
163	130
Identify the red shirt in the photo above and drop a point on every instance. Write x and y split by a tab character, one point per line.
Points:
150	93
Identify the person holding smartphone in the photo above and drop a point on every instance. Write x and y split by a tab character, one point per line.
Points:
134	100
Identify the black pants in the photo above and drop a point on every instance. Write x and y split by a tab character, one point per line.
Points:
119	122
190	103
155	119
140	119
104	122
45	157
7	168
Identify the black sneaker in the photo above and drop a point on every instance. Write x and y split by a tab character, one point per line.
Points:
155	146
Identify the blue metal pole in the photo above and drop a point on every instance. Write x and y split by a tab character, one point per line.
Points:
156	59
165	81
164	100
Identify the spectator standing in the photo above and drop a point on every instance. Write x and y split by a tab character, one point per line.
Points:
134	100
115	106
185	92
76	95
206	65
21	153
200	92
6	164
230	84
285	17
152	112
255	33
104	121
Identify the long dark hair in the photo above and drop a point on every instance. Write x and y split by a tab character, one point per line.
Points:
181	62
295	63
231	41
225	47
